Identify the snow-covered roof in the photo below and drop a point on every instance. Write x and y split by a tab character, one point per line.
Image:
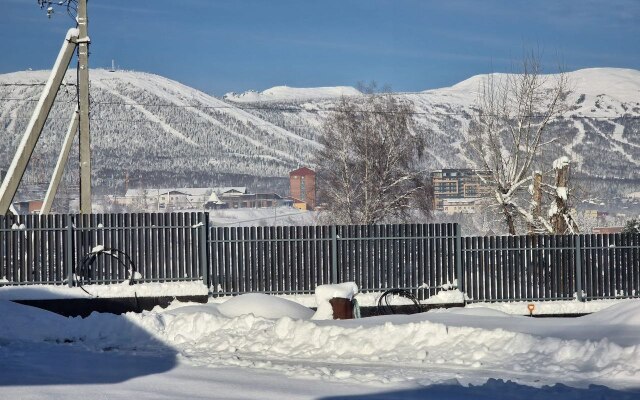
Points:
213	198
304	171
160	191
229	189
459	201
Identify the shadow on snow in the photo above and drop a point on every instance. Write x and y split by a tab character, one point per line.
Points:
497	389
104	348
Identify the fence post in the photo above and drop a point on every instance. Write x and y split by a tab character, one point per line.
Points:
204	261
69	251
578	258
334	254
458	255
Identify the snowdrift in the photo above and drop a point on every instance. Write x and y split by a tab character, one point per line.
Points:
259	331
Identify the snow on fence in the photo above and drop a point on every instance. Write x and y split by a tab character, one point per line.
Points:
423	258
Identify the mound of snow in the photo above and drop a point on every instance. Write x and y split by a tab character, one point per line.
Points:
286	93
265	306
28	323
626	312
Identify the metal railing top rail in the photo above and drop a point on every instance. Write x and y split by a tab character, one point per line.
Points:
325	238
88	229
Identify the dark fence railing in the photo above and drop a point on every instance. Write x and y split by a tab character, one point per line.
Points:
499	268
422	258
50	249
296	259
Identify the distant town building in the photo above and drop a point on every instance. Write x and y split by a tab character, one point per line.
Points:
28	206
595	214
607	229
457	184
183	199
460	206
161	199
233	198
302	188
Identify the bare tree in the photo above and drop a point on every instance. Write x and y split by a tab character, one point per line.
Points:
508	133
367	164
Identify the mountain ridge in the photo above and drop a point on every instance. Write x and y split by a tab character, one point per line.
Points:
159	131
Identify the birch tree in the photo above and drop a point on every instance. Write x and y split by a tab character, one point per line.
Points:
508	133
367	163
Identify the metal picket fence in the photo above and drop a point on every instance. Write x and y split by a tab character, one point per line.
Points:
296	259
551	267
422	258
49	249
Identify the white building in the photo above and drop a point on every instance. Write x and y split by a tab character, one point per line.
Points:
175	199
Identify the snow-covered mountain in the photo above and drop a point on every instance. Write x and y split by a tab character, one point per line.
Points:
286	93
153	129
600	130
159	131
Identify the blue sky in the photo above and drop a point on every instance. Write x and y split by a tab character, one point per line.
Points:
236	45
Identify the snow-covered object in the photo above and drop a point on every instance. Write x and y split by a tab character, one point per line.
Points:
561	192
553	210
72	33
561	162
265	306
324	293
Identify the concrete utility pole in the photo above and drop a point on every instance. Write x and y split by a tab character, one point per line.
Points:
60	165
36	123
83	106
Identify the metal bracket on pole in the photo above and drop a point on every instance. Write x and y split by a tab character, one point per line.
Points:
60	165
36	123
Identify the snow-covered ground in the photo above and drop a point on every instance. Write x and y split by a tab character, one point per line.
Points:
262	217
257	346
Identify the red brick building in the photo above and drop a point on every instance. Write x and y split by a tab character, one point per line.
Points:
302	186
